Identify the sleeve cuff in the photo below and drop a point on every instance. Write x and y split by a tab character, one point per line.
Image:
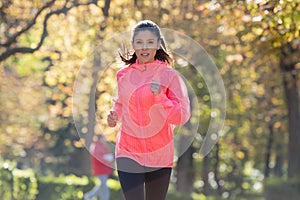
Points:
161	98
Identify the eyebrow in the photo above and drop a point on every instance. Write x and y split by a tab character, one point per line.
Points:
149	40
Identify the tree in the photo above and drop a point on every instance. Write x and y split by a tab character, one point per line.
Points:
45	44
16	27
273	27
27	31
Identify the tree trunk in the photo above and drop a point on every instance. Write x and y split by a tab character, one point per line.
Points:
185	172
92	106
268	150
216	169
291	92
205	171
288	61
279	150
278	169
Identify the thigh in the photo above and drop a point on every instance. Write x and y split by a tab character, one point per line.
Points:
132	178
157	184
132	185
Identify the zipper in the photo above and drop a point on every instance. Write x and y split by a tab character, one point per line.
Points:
139	96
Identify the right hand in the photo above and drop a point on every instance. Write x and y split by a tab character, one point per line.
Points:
155	87
112	119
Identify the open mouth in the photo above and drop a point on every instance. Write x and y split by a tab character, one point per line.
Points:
145	54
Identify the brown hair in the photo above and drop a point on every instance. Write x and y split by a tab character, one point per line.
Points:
161	54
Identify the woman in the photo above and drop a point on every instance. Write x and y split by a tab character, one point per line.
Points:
152	98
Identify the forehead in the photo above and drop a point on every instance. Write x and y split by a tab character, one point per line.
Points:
144	35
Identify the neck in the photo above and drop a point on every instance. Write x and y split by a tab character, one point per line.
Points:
141	63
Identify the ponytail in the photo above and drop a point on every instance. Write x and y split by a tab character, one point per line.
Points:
127	58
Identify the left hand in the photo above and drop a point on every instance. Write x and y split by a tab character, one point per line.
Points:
155	87
112	119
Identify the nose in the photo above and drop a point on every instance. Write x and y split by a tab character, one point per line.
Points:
144	46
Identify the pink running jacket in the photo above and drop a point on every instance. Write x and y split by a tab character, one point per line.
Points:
148	120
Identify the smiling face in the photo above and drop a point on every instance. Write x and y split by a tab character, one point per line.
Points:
145	44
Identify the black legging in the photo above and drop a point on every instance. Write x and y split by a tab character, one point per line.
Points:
139	183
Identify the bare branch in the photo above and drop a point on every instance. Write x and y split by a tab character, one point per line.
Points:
29	25
106	8
64	10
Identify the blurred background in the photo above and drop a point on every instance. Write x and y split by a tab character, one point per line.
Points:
255	45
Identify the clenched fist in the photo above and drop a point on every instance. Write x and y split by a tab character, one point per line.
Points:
112	119
155	87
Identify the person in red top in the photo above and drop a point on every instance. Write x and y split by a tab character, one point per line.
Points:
101	160
152	98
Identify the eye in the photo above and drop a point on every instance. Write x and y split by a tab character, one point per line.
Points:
138	42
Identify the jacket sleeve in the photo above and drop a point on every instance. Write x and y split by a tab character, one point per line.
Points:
117	105
175	101
117	108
